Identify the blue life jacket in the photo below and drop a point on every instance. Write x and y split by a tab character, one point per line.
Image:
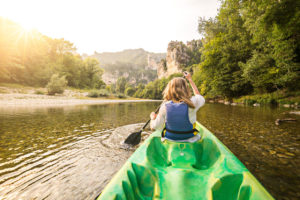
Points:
178	125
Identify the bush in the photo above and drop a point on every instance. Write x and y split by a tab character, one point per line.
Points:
39	92
120	95
56	84
100	84
103	93
130	91
93	94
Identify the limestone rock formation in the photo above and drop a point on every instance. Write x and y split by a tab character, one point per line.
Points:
152	62
179	56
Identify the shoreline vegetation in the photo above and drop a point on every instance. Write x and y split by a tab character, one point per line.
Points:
278	98
15	95
18	95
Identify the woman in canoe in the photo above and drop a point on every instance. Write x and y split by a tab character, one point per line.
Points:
177	114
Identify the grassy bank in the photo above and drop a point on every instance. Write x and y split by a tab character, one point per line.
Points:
280	98
29	92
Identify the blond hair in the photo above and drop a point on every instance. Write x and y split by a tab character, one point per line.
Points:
178	90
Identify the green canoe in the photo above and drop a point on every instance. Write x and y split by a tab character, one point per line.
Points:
184	171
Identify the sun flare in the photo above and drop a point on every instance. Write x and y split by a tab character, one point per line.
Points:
27	25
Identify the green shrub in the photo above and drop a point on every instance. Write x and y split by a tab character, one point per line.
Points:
130	91
103	93
120	95
56	84
285	101
93	94
39	92
249	101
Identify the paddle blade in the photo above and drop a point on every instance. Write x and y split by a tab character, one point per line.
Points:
134	138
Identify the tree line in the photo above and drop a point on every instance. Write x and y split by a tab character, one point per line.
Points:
31	58
250	47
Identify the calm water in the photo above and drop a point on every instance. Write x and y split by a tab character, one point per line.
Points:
72	152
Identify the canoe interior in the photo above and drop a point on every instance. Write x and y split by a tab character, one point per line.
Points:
184	171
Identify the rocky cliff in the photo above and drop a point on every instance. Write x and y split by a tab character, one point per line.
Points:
136	65
179	57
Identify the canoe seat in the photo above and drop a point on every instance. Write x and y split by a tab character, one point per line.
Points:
156	153
199	155
229	187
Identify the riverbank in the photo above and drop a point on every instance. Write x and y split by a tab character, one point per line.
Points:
15	95
44	100
280	98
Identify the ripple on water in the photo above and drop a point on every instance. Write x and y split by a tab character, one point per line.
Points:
118	135
57	173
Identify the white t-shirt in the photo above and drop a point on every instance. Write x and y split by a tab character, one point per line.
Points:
159	122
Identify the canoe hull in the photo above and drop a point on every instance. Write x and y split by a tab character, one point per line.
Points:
184	171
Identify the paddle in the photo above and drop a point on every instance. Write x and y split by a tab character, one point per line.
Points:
135	138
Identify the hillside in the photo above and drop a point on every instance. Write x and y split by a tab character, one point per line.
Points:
137	65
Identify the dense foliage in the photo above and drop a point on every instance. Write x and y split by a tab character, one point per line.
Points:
154	89
30	58
251	46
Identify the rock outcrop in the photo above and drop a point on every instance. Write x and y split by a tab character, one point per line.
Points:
179	56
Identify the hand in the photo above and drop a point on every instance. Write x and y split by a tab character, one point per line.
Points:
153	116
187	75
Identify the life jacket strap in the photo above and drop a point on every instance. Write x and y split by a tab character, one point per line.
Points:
194	130
182	132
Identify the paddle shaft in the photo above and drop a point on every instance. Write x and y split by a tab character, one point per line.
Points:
150	119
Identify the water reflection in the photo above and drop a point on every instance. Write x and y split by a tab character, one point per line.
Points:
58	153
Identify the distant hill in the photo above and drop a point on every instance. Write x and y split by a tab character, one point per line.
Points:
135	56
137	65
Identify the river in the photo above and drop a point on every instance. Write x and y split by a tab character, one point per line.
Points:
72	152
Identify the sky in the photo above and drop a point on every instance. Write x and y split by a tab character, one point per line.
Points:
112	25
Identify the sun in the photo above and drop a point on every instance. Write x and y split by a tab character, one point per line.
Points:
28	26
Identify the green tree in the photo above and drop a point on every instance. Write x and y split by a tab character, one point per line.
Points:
139	91
129	91
274	26
121	84
30	58
227	43
56	85
91	74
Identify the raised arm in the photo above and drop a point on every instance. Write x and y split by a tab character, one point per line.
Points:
189	78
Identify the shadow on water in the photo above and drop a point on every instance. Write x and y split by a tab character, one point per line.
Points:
72	152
